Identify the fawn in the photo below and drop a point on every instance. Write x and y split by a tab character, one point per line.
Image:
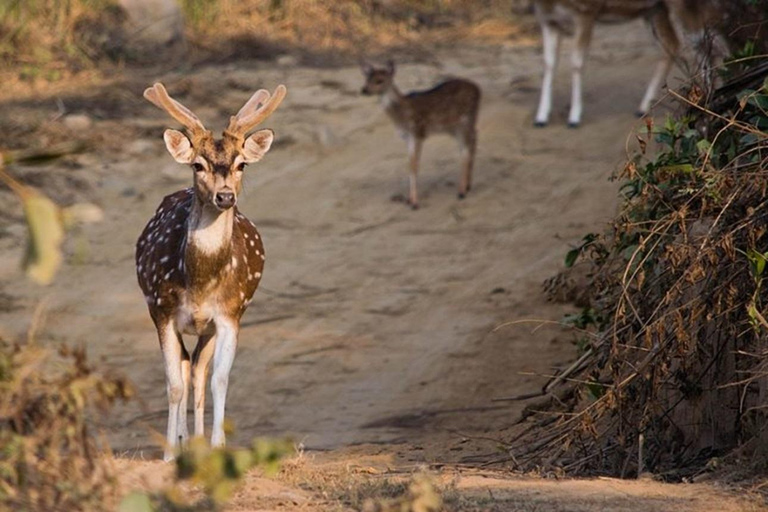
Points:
450	107
557	17
199	260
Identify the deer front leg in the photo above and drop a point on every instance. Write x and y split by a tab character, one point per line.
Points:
584	26
201	358
551	42
223	357
468	145
414	153
171	345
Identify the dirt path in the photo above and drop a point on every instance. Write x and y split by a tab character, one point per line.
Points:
372	327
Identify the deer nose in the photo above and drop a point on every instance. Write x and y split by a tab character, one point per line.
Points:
225	200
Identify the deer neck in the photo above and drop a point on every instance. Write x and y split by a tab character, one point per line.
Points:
391	99
209	243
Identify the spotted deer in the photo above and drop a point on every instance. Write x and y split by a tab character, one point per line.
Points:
199	260
669	19
451	107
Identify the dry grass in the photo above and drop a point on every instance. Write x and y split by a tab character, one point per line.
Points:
349	28
50	460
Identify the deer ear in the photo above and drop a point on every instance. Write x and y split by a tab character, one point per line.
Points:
178	146
257	145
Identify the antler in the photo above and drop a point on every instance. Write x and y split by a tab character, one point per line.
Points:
255	110
160	98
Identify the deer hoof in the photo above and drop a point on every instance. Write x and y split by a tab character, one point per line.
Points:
539	124
462	195
414	206
573	124
640	114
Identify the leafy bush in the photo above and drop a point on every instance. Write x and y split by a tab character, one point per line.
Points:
672	374
49	459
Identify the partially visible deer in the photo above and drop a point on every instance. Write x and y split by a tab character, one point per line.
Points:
450	107
667	17
199	260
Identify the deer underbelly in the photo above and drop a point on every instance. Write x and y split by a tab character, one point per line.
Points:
196	320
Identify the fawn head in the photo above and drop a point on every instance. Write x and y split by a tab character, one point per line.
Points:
218	164
377	79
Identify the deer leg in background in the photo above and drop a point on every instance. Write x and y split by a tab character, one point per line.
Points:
201	358
551	42
414	153
584	25
670	43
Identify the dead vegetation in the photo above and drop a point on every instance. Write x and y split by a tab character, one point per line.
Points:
49	40
51	459
671	374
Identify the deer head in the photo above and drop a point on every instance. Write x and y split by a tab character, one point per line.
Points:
218	164
377	79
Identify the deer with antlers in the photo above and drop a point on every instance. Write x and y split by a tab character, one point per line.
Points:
667	17
199	260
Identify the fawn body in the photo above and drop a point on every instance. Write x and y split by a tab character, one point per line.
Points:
451	108
667	17
199	260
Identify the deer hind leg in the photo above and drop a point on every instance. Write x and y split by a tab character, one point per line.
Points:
583	37
414	153
551	43
468	146
172	347
201	358
223	357
670	43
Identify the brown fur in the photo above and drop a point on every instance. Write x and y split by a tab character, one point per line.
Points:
451	107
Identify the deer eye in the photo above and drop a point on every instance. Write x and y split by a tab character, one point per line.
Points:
241	166
198	167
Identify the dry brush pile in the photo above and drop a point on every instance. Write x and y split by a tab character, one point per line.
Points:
673	365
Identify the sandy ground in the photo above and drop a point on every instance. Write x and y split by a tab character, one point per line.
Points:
371	338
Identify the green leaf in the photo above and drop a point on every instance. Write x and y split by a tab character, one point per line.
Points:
46	234
136	502
571	257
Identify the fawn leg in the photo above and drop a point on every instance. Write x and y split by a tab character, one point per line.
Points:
414	153
468	146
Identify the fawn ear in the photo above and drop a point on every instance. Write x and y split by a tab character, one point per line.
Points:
178	146
257	145
391	67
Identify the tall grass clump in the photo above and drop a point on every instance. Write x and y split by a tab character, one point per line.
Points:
42	34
